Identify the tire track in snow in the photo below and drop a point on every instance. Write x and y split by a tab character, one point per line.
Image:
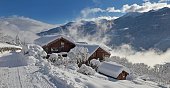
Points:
23	77
19	77
15	74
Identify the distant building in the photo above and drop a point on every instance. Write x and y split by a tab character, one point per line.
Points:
62	43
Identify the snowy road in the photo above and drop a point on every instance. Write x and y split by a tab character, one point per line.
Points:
11	60
14	74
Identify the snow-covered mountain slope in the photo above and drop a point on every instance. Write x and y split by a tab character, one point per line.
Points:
26	28
141	30
146	30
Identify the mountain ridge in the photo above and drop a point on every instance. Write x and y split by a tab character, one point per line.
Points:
137	29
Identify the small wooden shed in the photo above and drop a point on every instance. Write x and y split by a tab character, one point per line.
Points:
114	70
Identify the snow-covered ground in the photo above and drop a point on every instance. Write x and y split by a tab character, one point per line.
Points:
79	80
11	60
23	77
16	73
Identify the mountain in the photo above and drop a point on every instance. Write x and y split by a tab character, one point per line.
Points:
141	30
22	26
87	27
148	30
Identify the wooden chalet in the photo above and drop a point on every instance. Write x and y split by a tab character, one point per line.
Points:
95	52
56	44
62	43
114	70
59	45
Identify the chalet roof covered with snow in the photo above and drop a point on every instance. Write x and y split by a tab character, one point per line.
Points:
112	69
49	38
91	48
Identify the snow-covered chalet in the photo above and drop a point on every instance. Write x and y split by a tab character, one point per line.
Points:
114	70
62	43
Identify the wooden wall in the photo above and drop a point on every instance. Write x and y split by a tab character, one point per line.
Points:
122	75
100	53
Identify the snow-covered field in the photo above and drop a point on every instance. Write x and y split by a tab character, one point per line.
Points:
15	72
23	77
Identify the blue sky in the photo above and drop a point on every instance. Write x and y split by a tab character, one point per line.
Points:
61	11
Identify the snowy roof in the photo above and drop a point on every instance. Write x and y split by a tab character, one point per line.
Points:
4	45
112	69
91	48
49	38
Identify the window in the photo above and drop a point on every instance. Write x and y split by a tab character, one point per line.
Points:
62	44
106	56
54	49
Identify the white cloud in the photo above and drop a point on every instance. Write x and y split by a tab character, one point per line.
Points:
150	57
80	36
112	9
144	7
164	0
99	18
85	12
106	17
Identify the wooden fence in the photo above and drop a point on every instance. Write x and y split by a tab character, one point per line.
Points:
3	49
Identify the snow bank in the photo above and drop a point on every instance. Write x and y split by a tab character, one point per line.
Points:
34	50
33	54
53	57
72	66
31	60
86	70
95	62
58	60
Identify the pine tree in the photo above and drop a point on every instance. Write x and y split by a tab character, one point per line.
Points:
18	42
